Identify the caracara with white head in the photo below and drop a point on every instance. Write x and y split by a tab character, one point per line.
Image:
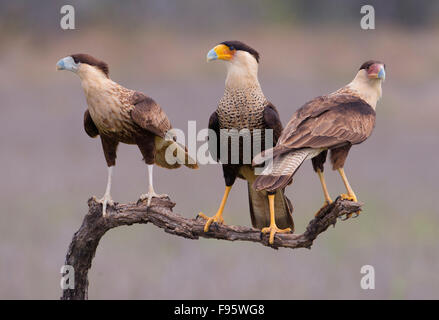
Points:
118	114
333	122
244	107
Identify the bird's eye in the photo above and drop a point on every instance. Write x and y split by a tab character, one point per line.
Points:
231	48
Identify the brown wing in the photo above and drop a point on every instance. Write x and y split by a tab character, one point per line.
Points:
214	144
148	115
310	109
342	119
89	125
272	121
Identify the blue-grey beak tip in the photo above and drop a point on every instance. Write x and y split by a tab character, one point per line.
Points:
211	55
382	74
60	65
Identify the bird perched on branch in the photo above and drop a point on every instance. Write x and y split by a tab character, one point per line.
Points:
244	108
118	114
333	122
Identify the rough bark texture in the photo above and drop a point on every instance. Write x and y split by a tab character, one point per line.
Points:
85	241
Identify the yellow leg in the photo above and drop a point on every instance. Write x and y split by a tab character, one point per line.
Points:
273	229
218	217
350	193
328	199
325	189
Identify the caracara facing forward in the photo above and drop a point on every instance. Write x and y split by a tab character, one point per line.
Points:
244	107
334	122
118	114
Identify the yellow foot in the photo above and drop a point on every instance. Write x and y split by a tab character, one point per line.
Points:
216	218
326	203
350	198
273	229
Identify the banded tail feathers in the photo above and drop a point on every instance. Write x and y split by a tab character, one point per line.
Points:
280	170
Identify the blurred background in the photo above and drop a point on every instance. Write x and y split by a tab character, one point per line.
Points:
50	167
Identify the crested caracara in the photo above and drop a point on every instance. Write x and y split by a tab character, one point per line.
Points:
244	106
118	114
333	122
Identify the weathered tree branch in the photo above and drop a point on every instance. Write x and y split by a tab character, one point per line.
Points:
85	241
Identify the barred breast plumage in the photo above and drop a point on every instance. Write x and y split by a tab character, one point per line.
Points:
242	108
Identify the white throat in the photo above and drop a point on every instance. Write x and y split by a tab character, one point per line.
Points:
367	89
242	71
93	79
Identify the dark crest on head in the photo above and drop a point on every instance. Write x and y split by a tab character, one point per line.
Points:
238	45
88	59
367	64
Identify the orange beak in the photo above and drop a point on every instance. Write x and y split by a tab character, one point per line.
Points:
220	52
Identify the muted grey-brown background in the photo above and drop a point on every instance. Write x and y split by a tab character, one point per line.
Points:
50	167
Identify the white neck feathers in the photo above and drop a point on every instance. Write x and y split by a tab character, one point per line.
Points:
242	71
93	79
367	89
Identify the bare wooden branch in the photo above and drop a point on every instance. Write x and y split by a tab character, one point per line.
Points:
85	241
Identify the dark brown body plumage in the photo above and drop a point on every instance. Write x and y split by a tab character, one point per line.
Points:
334	122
